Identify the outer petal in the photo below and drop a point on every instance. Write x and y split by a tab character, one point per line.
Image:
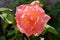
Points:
46	18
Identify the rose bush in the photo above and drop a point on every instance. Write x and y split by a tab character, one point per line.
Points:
31	18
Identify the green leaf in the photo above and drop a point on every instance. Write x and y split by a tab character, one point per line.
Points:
50	29
3	9
4	25
9	17
4	14
11	32
2	38
2	17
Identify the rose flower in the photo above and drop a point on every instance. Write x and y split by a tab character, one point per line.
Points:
30	18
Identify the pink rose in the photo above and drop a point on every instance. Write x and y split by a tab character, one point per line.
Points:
30	18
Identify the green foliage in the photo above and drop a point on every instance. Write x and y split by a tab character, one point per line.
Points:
2	38
11	32
50	29
3	9
6	15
